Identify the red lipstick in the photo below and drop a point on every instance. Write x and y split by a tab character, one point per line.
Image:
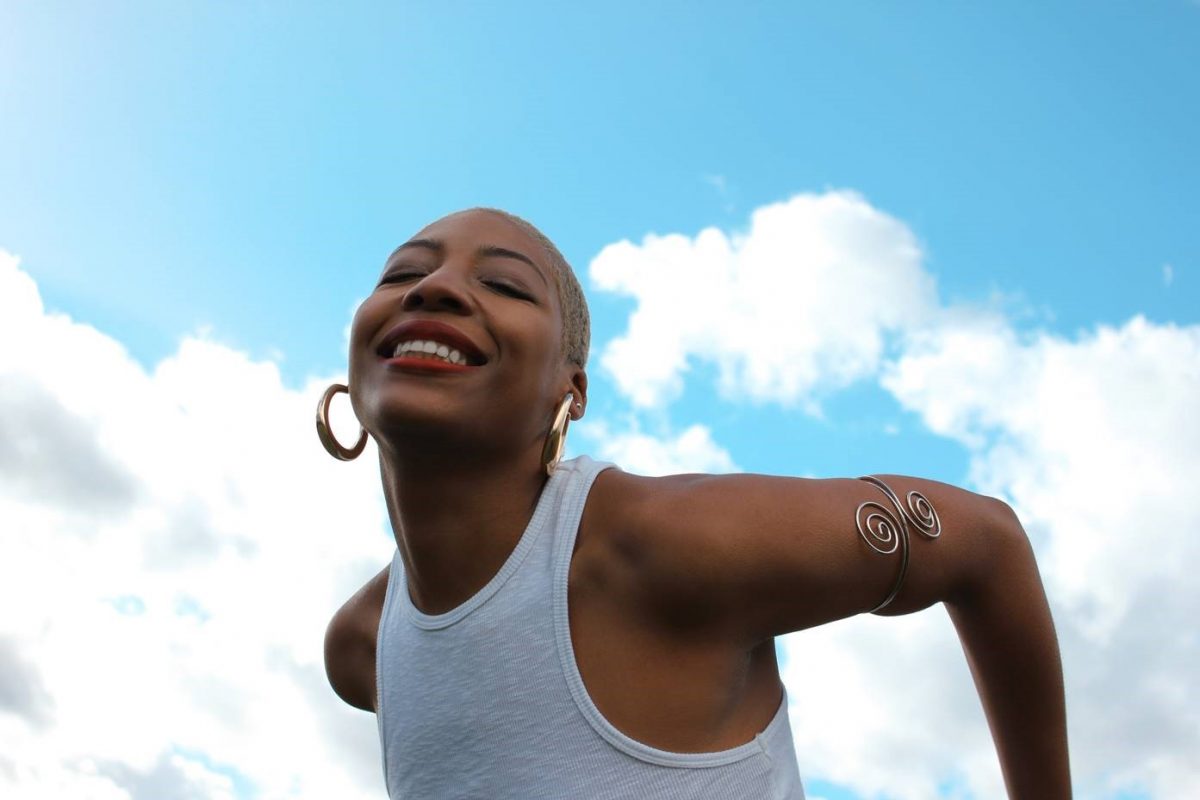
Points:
430	330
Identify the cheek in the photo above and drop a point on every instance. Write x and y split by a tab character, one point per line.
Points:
533	341
366	320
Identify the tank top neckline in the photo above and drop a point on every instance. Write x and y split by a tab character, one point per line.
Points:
537	523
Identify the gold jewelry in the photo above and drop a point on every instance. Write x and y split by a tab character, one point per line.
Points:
325	433
557	438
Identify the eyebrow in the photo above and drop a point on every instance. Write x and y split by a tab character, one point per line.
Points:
483	251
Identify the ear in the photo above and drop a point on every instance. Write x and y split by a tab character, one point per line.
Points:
579	383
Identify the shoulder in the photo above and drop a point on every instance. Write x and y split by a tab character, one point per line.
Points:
658	543
627	537
636	515
350	641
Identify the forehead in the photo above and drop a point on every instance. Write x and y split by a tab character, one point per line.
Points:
479	228
469	230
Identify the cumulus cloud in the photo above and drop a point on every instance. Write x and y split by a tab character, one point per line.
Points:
1096	443
21	689
692	450
800	302
174	541
1093	438
51	456
173	777
886	707
179	531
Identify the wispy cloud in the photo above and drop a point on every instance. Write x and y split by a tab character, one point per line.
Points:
723	189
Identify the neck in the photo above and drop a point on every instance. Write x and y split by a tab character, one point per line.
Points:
457	520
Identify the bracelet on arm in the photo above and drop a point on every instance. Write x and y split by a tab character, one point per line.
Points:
886	532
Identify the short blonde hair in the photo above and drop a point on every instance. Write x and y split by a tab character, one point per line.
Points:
577	322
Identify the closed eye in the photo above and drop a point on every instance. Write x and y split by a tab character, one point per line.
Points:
498	286
400	276
508	289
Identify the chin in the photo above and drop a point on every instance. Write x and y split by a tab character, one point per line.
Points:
399	421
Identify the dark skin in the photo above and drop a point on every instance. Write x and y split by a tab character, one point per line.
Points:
678	585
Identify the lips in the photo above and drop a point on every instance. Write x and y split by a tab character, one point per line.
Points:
429	330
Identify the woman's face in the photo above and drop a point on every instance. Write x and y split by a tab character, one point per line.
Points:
476	287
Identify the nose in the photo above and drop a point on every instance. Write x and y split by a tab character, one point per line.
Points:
442	290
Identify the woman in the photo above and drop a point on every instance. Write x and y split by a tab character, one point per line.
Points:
568	629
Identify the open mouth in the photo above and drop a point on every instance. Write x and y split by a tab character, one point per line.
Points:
430	350
427	344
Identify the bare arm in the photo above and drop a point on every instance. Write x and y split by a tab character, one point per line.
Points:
1004	624
749	557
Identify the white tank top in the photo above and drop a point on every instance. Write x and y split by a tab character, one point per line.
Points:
486	701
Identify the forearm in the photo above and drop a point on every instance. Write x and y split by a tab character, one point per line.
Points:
1004	623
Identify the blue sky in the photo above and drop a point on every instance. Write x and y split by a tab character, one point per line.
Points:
247	170
240	171
169	168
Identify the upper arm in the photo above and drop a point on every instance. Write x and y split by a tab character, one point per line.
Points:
758	556
350	644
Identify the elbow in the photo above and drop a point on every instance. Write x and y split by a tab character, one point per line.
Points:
1007	534
1004	556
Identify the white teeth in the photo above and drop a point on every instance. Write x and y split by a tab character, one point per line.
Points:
425	348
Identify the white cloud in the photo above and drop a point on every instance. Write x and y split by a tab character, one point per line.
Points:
799	303
886	707
1168	274
174	542
1096	443
181	532
1094	439
693	450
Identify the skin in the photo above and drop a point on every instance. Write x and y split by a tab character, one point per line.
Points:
689	577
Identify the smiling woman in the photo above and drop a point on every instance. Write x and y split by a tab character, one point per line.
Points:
554	628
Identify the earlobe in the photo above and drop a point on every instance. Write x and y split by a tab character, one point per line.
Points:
578	390
574	405
552	449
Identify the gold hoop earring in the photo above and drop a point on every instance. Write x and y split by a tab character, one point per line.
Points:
556	440
325	433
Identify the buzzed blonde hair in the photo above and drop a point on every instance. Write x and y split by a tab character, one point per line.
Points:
577	322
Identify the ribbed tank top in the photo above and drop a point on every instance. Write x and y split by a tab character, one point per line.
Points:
486	701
